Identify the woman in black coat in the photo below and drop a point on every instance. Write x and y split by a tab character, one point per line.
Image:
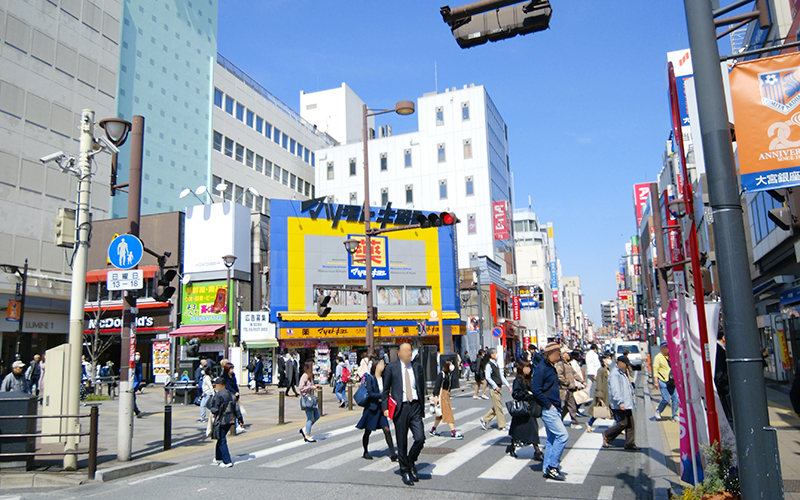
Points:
372	418
480	377
524	429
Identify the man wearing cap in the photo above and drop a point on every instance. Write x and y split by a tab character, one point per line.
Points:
16	381
622	402
666	384
545	389
223	410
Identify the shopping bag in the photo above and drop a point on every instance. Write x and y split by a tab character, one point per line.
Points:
581	396
601	410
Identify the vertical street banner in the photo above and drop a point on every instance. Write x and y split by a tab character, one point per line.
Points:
765	94
640	194
515	307
14	310
500	221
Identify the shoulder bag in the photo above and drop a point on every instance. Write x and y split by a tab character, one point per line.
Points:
581	396
361	396
308	402
519	408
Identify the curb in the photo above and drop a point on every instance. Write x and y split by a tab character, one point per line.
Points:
39	480
659	473
129	469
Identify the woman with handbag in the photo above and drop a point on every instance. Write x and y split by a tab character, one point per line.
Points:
445	380
223	410
208	393
524	428
372	417
600	407
308	401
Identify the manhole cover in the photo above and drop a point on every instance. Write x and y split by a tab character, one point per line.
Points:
443	451
792	486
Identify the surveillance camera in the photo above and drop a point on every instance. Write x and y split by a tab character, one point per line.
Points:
53	157
106	144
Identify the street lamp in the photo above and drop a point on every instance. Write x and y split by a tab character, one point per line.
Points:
401	108
116	130
351	246
201	190
250	190
23	275
228	260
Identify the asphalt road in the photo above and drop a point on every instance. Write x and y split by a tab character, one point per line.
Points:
476	467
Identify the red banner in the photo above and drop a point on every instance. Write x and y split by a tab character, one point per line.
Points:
515	306
640	194
500	220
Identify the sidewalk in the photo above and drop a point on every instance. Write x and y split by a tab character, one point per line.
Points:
781	417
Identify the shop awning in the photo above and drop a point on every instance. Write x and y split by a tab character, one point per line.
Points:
197	330
100	274
265	344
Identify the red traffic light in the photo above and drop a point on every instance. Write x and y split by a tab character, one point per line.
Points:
448	218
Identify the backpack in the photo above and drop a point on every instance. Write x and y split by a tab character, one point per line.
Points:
345	374
251	366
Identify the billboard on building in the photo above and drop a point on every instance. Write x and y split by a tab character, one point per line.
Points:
212	231
500	220
198	300
766	106
640	194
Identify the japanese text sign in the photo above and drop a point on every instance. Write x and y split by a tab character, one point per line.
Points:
500	220
356	268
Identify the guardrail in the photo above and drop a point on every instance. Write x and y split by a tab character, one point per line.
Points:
93	417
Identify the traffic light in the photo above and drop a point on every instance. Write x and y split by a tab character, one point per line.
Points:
163	291
499	24
785	217
437	220
322	305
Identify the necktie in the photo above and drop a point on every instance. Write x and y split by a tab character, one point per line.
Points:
409	396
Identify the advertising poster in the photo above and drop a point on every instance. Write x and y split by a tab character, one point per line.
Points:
200	303
515	307
356	262
500	221
765	94
160	360
640	194
13	311
785	361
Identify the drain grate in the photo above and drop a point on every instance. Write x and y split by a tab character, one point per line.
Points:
437	451
791	485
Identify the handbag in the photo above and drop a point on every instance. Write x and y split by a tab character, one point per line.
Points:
308	402
361	395
197	401
581	396
518	408
601	410
215	430
436	409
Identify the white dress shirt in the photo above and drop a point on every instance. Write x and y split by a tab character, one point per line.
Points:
592	363
408	397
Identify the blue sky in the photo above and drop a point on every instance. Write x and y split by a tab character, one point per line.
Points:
585	102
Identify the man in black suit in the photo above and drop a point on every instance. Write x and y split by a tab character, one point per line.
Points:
404	382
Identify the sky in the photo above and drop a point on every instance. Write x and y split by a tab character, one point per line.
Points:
585	102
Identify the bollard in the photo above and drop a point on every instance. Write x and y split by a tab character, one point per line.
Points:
349	396
281	404
93	428
319	400
167	427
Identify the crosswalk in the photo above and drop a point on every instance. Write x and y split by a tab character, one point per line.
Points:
342	448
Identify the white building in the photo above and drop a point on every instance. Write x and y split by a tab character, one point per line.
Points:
608	309
456	161
532	247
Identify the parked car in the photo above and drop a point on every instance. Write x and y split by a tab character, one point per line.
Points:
635	355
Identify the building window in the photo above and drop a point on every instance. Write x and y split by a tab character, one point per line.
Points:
300	183
305	155
353	199
471	225
248	199
407	157
229	147
470	186
352	167
248	158
410	193
292	146
330	170
312	164
442	157
467	149
268	168
259	164
443	190
465	111
277	175
239	112
229	104
249	120
308	186
239	153
217	141
268	130
439	116
259	204
384	196
238	191
285	178
293	182
218	98
384	163
277	137
299	150
285	141
259	125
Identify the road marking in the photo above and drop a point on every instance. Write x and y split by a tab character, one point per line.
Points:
382	465
172	473
581	456
312	450
508	467
606	493
337	460
464	454
291	445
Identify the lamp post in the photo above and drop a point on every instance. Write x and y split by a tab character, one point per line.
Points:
401	108
229	261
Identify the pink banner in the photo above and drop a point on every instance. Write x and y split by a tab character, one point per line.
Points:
687	419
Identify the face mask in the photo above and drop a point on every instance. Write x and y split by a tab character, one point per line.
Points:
452	367
136	358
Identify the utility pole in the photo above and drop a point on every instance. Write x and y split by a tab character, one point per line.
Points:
127	365
21	324
78	291
758	454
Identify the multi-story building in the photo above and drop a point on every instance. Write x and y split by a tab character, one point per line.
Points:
56	59
456	161
573	308
537	311
608	310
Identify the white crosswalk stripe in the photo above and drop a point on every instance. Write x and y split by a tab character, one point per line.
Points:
462	455
508	467
581	456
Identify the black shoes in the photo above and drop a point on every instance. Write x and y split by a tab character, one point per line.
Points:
407	479
306	439
393	458
632	447
366	455
538	456
414	474
510	450
554	474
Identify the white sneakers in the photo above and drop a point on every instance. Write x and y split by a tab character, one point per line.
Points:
658	416
226	466
483	423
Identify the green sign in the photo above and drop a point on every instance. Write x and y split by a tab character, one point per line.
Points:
199	303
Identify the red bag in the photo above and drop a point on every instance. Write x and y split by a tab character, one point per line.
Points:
345	375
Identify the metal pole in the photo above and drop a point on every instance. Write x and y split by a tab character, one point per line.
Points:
125	421
319	401
694	255
281	406
94	414
480	307
748	392
368	245
22	309
168	427
227	314
78	292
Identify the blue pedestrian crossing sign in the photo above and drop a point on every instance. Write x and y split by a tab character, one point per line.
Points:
125	251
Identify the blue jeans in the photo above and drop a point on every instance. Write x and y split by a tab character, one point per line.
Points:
311	417
666	397
557	437
222	452
203	402
339	390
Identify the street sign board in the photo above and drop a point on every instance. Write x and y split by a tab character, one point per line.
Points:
497	332
125	280
125	251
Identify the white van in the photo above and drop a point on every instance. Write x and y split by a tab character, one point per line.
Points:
635	355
